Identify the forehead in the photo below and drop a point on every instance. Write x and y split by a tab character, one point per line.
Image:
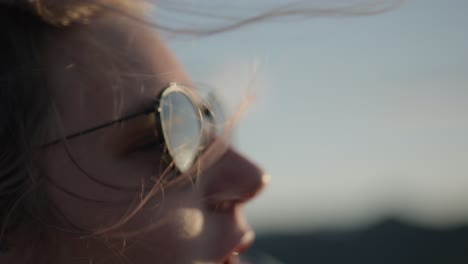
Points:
105	70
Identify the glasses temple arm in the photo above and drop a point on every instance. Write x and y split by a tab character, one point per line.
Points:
89	130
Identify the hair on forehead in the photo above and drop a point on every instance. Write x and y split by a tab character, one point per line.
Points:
63	13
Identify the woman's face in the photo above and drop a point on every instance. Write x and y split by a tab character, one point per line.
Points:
191	223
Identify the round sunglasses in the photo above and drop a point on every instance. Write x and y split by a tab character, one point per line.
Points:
186	122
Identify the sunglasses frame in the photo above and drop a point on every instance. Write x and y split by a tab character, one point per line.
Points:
202	109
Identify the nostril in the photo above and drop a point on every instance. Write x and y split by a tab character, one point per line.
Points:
229	194
227	200
222	206
233	179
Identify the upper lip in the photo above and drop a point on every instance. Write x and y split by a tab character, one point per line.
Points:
242	245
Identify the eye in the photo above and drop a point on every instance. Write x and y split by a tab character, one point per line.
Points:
143	144
150	146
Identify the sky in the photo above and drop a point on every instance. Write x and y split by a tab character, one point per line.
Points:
356	119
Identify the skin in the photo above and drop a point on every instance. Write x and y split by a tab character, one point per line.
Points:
193	223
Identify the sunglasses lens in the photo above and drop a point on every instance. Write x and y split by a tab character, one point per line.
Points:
181	125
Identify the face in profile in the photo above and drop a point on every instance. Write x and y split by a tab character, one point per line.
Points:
109	181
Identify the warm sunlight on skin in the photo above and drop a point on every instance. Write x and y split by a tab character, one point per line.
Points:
190	222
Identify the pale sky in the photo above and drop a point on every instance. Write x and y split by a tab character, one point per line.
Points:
356	118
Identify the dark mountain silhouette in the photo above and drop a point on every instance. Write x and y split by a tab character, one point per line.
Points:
390	242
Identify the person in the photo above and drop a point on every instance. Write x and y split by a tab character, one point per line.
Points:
107	152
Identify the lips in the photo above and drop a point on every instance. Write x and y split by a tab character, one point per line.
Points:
233	235
233	255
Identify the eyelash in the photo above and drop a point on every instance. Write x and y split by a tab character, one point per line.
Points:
149	147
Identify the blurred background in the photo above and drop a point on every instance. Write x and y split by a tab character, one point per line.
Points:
360	120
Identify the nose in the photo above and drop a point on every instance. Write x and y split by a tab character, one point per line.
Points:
233	179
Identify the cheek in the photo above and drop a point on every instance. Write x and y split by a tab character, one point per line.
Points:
167	233
188	221
172	236
170	227
84	198
150	238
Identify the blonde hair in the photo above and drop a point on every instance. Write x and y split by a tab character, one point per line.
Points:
65	12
